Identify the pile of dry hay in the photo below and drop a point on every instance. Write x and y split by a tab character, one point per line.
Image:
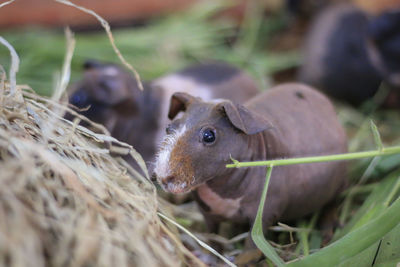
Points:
65	201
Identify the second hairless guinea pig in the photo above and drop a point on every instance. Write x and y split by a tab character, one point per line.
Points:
139	118
291	120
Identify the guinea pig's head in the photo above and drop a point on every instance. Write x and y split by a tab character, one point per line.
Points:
104	87
201	139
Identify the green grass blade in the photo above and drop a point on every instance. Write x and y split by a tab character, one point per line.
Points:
354	242
304	235
392	193
389	250
377	136
303	238
257	232
362	259
373	206
336	157
384	253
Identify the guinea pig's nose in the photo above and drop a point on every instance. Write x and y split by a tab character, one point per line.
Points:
153	177
167	180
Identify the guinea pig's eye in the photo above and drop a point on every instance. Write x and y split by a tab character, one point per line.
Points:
208	136
79	99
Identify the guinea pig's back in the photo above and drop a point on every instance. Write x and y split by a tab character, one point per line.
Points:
303	117
229	82
304	124
210	81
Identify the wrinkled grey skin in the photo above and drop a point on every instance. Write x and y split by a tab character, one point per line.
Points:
291	120
139	118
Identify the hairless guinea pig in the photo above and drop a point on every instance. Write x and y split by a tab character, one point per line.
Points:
140	117
291	120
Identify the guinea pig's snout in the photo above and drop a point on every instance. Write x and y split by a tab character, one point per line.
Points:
170	184
166	181
153	177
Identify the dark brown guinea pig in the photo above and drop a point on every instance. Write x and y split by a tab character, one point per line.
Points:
291	120
139	118
105	92
348	53
384	45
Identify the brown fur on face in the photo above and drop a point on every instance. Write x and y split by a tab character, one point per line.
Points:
181	163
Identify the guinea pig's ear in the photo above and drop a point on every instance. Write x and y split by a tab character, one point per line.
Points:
243	119
179	102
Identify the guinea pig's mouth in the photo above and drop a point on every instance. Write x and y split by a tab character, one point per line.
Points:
169	184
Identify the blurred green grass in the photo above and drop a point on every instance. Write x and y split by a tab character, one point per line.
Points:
163	45
169	43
